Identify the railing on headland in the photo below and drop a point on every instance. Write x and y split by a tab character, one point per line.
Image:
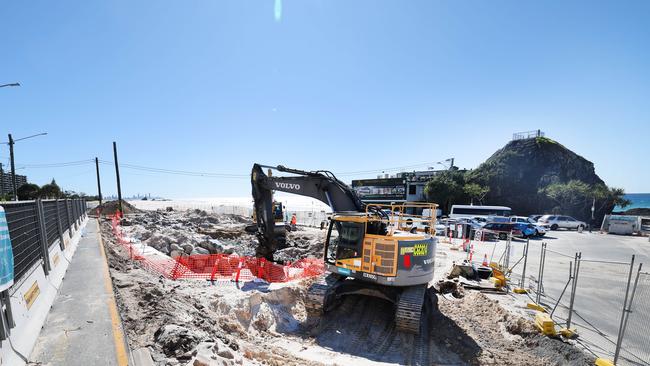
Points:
527	135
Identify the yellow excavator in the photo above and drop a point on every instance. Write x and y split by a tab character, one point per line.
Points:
385	251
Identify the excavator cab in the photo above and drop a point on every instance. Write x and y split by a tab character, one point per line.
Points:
344	241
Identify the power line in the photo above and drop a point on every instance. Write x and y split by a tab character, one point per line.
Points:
149	169
58	165
400	168
176	172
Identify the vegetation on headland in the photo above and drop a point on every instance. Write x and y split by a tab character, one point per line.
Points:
532	176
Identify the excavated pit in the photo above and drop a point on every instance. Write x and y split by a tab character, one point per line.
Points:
196	323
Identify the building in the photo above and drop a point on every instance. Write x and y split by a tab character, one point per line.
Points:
401	187
6	184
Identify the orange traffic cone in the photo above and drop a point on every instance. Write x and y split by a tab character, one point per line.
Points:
485	262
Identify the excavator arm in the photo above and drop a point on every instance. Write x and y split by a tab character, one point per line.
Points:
321	185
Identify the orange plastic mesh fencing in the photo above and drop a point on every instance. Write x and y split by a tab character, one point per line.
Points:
216	267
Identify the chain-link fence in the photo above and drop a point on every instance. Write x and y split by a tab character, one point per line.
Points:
635	346
589	296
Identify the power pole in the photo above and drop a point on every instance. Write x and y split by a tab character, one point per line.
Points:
13	167
117	175
2	179
99	185
451	166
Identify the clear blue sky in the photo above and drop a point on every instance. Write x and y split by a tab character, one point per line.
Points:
342	85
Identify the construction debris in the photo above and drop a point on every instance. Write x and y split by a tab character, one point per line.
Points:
196	323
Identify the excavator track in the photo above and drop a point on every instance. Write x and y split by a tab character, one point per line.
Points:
409	309
317	294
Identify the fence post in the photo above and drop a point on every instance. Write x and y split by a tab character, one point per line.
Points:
540	276
522	284
574	286
68	210
59	226
628	311
40	222
76	214
619	339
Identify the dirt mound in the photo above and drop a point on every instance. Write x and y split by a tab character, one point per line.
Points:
111	207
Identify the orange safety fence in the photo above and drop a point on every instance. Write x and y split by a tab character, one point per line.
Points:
216	267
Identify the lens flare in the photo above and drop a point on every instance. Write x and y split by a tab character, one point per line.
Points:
278	10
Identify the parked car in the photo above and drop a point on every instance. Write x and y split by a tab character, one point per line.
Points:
524	230
535	218
555	222
497	219
481	220
441	229
540	230
502	229
476	225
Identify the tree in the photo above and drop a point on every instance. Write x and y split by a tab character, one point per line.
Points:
51	190
476	191
28	191
446	189
576	198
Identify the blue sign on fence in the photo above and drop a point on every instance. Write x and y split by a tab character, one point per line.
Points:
6	254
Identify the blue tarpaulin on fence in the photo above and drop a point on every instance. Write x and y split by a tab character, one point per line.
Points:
6	254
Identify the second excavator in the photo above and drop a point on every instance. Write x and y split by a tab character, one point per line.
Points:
385	251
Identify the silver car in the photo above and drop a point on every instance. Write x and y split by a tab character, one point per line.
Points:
555	222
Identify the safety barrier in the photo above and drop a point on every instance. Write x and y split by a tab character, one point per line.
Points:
590	298
215	267
43	241
635	343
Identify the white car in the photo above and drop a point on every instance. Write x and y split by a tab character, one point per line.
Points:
540	230
555	222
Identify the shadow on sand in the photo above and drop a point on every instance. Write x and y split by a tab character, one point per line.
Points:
364	327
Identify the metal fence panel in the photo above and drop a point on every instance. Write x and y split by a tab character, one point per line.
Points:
51	227
25	236
600	293
635	349
68	206
63	212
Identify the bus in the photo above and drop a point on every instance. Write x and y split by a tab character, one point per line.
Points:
479	211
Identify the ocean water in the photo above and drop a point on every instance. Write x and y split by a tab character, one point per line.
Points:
639	200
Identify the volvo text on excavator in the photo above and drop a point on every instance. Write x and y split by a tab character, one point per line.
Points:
385	251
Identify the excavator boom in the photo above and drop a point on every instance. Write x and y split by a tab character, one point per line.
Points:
321	185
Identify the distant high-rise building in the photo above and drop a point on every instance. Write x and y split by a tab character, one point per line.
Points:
6	184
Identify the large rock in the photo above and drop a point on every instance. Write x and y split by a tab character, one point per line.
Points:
199	250
214	246
517	172
188	248
175	340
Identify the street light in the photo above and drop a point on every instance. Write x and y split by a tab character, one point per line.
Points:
11	143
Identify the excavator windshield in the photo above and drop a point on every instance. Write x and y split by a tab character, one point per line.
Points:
344	240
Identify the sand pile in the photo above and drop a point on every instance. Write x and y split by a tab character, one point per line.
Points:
111	207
